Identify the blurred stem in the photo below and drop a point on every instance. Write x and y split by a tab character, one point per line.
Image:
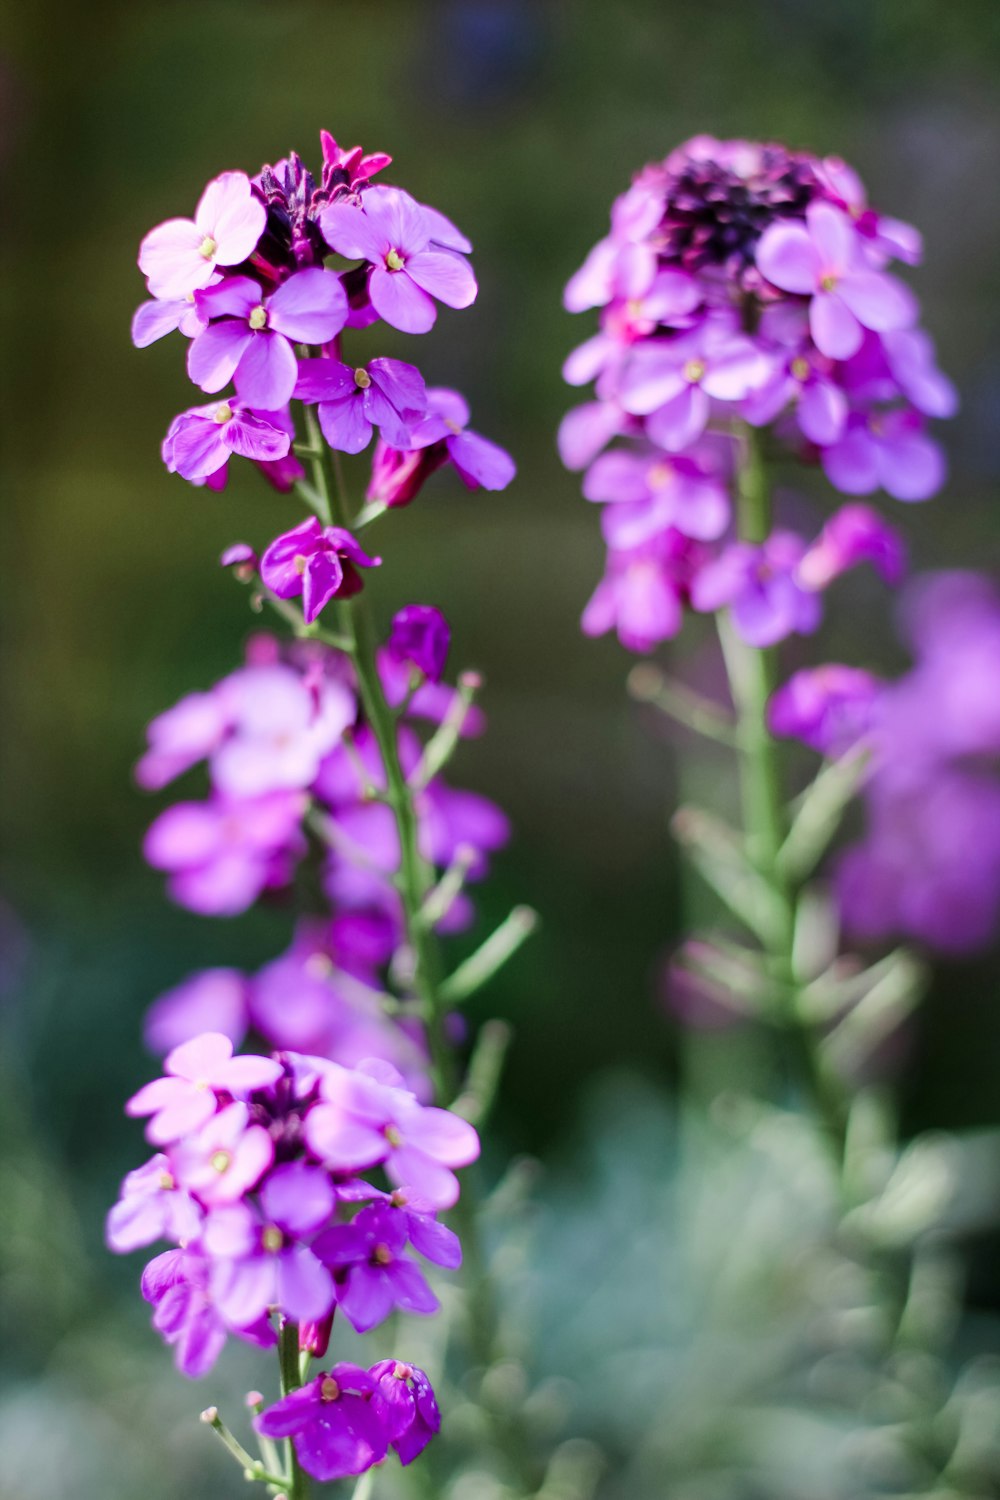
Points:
752	678
288	1361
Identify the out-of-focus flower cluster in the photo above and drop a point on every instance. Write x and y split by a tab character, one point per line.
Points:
256	1184
928	866
744	284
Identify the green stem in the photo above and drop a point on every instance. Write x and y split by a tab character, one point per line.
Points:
288	1361
752	679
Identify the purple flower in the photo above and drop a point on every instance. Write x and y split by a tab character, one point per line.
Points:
180	737
480	463
154	320
385	393
643	591
585	430
181	255
671	381
801	379
366	1118
828	708
854	534
220	855
318	562
226	1156
200	442
250	335
185	1099
332	1423
420	636
259	1262
372	1273
398	237
761	587
405	1404
214	1000
823	259
152	1207
885	450
176	1283
651	491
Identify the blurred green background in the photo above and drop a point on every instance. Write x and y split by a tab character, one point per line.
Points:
520	119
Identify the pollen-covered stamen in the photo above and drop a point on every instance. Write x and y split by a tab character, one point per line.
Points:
300	563
223	413
660	475
694	371
402	1372
800	368
828	281
453	425
393	1136
208	247
258	317
167	1182
362	379
220	1161
272	1239
329	1390
394	261
382	1256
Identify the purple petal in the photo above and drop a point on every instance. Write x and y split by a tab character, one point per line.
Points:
852	465
234	297
401	384
409	1288
833	235
680	422
435	1241
351	233
585	430
878	301
305	1288
480	462
411	1168
229	212
367	1298
322	580
345	424
171	260
154	320
289	1414
309	308
787	256
836	331
822	412
400	302
344	1144
911	467
298	1197
324	380
249	436
443	1135
445	276
198	448
266	374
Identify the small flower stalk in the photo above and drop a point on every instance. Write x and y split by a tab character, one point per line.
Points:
303	1150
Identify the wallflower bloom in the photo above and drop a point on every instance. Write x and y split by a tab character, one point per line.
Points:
385	393
404	1401
643	591
185	1098
854	534
373	1275
396	235
200	442
227	1156
185	1316
331	1421
885	450
152	1207
249	335
318	562
220	855
182	255
761	587
420	635
828	708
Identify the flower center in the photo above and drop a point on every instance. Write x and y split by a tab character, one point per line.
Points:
362	379
382	1256
329	1390
166	1182
258	317
875	425
402	1372
828	282
223	413
393	1136
208	247
694	370
317	965
299	563
220	1160
800	368
272	1239
453	425
395	261
660	476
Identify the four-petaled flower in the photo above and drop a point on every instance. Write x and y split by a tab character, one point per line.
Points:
182	255
319	562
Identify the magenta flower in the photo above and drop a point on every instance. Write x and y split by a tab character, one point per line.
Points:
176	1283
226	1156
366	1118
823	259
651	491
373	1275
200	442
185	1099
385	393
152	1207
480	463
318	562
671	381
259	1262
885	450
644	590
420	636
182	255
803	381
221	854
332	1423
250	336
405	1404
212	1000
761	587
854	534
398	237
828	708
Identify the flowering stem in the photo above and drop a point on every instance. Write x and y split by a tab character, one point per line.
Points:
291	1379
752	678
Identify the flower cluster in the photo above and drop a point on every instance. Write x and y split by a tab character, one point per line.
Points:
255	1183
743	285
928	866
323	758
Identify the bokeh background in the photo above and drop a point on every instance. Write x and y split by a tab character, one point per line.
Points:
520	119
